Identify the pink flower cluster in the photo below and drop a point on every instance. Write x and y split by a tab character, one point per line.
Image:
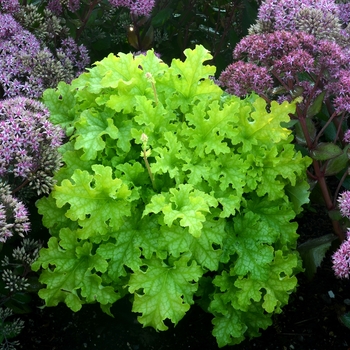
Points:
282	57
26	136
283	13
56	6
293	59
13	215
27	69
240	78
344	204
9	6
341	258
76	55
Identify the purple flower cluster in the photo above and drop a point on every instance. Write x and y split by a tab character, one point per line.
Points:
56	6
136	7
341	258
282	57
265	48
240	78
293	60
282	14
344	13
294	37
27	68
344	204
78	56
29	142
13	215
346	137
16	44
341	89
9	6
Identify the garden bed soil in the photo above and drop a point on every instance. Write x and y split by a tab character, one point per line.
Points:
309	322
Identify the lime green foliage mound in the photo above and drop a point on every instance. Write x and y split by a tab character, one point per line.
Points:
174	192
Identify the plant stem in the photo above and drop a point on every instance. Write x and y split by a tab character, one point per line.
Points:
84	21
148	168
320	177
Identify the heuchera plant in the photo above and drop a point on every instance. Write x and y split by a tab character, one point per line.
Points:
172	191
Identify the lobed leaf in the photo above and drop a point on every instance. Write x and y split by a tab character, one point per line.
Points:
185	82
164	292
61	104
92	126
185	204
95	201
69	268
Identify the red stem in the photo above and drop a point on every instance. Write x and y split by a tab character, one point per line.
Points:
84	21
320	176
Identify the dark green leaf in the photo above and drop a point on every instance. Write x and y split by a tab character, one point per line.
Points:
325	151
300	137
132	37
313	252
316	105
337	164
345	319
162	17
148	39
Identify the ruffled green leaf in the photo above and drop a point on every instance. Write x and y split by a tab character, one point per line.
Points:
164	292
72	272
61	104
95	201
186	204
92	126
185	82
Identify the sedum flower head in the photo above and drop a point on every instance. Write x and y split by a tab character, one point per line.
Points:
241	78
280	55
341	90
344	12
267	47
69	53
56	6
29	142
13	282
10	329
325	19
346	137
28	67
16	44
26	254
13	215
46	27
323	25
280	58
344	204
282	14
341	259
9	6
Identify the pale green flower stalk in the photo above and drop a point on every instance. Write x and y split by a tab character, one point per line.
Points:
146	152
